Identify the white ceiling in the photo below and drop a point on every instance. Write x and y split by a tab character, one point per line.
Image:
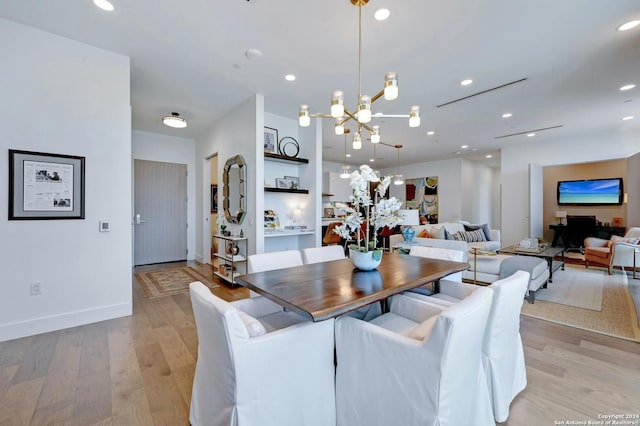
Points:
189	57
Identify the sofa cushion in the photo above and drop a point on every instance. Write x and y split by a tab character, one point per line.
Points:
617	239
438	232
486	245
423	234
484	227
470	236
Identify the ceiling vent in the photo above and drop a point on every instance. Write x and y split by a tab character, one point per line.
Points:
528	132
482	93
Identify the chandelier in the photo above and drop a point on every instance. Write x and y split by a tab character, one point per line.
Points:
363	114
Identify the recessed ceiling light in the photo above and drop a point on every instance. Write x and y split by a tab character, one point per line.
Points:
628	25
290	77
381	14
466	82
530	135
627	87
458	152
174	120
104	5
348	155
507	115
628	117
464	146
431	133
371	160
488	156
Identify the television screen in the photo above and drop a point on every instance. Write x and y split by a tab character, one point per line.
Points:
591	192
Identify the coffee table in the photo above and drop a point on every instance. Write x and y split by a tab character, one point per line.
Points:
546	253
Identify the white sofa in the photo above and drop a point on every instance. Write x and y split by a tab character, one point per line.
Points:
492	245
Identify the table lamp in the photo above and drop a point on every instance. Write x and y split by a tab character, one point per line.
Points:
561	215
410	218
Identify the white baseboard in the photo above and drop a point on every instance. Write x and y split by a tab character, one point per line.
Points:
16	330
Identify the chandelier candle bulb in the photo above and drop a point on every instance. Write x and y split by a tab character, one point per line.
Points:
391	86
414	116
303	118
337	104
364	109
357	141
375	136
339	127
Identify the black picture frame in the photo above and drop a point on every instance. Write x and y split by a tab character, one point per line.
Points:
45	186
270	140
214	198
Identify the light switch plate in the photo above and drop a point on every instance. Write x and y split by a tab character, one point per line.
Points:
105	226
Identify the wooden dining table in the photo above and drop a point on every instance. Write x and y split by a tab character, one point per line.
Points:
324	290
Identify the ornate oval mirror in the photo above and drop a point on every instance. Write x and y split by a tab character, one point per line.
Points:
234	189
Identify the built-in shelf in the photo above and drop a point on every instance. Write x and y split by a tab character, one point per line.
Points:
287	233
290	191
283	159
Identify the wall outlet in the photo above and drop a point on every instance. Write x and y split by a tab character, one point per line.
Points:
35	289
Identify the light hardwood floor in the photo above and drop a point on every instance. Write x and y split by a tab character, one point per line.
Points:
139	370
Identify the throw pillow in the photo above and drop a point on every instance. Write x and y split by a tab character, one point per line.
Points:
253	326
470	236
484	227
423	234
438	232
630	240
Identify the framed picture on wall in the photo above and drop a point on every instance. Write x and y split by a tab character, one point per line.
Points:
214	198
270	140
45	186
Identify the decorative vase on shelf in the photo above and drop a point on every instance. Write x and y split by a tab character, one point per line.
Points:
365	261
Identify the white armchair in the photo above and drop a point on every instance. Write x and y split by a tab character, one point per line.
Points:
416	365
503	354
258	365
626	254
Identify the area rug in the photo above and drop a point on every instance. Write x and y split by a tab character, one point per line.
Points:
617	316
171	281
575	286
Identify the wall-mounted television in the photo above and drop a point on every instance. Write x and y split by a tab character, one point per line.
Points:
590	192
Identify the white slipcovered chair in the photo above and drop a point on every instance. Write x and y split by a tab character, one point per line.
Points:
261	262
503	354
419	364
442	254
258	365
323	254
273	260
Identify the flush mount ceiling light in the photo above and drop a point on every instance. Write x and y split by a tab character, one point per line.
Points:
627	87
628	25
174	120
104	5
290	77
363	114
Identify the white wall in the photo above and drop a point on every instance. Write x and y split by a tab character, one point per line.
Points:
450	185
171	149
478	201
239	132
61	96
515	170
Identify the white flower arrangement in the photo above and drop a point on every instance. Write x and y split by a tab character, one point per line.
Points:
376	214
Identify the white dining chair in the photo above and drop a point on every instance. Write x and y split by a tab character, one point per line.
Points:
322	254
258	365
273	260
442	254
270	261
420	364
503	353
